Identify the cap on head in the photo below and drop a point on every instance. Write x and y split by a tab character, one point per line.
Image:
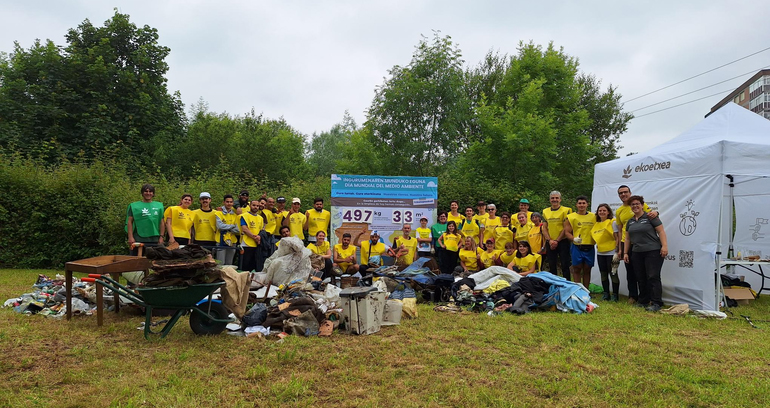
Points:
374	233
524	201
280	200
296	200
204	195
424	218
244	193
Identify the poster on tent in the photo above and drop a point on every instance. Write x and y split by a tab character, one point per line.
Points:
752	217
690	220
381	203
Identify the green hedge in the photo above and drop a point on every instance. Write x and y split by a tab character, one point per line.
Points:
52	215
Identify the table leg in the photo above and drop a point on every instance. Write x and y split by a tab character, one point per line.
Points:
68	286
99	304
116	276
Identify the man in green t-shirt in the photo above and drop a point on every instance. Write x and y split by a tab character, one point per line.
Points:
144	220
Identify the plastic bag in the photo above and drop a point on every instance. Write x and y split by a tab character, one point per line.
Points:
255	316
302	325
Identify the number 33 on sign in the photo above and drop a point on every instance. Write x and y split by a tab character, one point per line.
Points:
404	216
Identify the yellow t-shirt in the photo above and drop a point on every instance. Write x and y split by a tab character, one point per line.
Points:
270	221
603	235
255	224
526	262
457	219
205	225
535	238
469	258
231	219
317	221
181	221
522	232
297	225
622	215
505	258
319	250
423	233
470	229
489	227
581	226
488	258
502	235
481	219
411	246
555	220
451	241
367	250
279	216
340	252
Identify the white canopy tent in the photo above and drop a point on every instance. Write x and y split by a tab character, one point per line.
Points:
691	180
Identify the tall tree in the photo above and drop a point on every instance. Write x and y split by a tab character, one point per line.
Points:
420	116
105	90
328	148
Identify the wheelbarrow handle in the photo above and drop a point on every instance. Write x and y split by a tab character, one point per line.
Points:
94	275
88	279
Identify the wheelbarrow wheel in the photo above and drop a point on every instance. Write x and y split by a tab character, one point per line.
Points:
201	324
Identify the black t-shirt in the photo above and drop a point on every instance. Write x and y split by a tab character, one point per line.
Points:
642	233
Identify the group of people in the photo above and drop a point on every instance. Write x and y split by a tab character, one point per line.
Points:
570	242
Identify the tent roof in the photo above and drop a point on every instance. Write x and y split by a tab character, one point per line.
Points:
730	123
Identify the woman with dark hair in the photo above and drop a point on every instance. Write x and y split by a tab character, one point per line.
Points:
450	242
538	234
436	230
605	234
179	221
650	247
525	262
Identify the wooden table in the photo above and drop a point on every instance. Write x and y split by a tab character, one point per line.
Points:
748	265
113	265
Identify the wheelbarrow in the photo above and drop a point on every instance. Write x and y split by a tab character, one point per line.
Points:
207	316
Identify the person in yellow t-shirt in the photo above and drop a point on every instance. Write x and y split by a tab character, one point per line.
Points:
344	254
538	234
280	213
322	248
503	232
450	242
205	223
317	219
470	256
424	238
558	246
506	257
470	227
492	222
179	221
604	233
622	215
525	262
372	250
405	247
522	228
251	224
453	214
482	216
489	257
577	228
296	220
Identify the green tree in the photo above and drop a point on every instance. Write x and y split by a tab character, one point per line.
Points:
328	148
106	90
420	116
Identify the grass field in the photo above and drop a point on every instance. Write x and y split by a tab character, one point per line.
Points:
617	356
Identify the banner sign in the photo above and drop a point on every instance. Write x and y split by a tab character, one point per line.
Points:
381	203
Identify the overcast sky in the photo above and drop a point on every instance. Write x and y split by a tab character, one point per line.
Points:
310	61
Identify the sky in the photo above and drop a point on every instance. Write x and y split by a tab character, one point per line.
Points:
311	61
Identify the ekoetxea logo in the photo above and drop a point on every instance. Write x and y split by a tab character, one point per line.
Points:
646	167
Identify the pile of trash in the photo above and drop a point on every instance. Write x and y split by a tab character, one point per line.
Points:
496	290
49	295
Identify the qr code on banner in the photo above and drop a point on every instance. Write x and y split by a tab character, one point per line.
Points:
685	259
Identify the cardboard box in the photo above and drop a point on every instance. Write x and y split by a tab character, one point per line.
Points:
741	295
